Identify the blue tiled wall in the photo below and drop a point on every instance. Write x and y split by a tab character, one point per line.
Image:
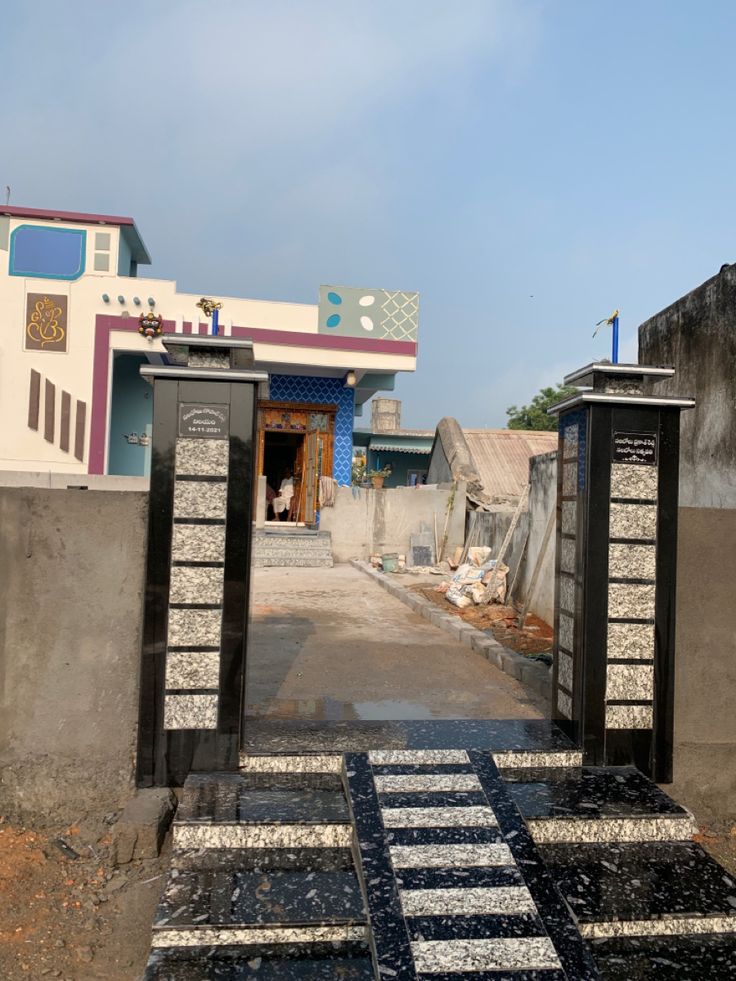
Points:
328	391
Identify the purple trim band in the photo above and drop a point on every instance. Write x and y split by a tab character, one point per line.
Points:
16	212
104	323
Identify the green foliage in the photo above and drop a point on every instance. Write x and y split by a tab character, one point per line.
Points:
357	475
534	415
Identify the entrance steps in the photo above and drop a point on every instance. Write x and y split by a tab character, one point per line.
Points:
442	864
292	548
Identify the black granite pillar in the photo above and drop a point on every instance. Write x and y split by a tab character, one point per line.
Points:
617	491
198	566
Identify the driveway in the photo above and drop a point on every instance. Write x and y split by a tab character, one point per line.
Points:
331	644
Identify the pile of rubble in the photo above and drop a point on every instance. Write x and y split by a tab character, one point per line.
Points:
480	581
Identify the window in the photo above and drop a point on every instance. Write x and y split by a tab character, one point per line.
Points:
47	253
102	252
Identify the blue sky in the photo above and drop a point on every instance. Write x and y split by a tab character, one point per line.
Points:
527	166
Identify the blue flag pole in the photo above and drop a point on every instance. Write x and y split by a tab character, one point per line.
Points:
216	323
614	341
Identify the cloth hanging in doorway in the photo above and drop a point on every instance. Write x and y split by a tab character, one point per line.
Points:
327	492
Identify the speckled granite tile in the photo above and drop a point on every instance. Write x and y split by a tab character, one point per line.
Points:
634	480
199	499
563	831
630	682
192	669
631	601
498	954
569	517
198	543
256	964
629	717
564	670
461	835
630	640
570	440
466	902
262	836
567	593
210	936
568	559
197	584
202	457
383	757
457	856
431	782
317	763
475	877
564	704
638	521
434	799
570	479
437	817
270	897
674	926
190	711
567	632
636	889
689	958
632	561
208	359
573	757
195	628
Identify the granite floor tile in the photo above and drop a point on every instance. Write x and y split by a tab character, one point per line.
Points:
430	782
244	964
475	927
444	836
437	817
449	856
466	901
703	958
504	954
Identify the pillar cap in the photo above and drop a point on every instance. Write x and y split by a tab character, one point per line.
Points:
586	377
587	396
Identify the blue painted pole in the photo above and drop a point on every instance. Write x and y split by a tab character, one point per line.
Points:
614	342
215	322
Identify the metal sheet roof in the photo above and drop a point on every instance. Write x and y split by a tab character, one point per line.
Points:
501	457
402	444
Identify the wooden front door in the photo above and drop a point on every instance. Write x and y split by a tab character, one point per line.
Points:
314	454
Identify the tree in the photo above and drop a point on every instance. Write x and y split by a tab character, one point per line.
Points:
534	415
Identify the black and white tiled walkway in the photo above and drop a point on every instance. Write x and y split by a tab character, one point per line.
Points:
438	865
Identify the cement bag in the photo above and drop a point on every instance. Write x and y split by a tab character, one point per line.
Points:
479	554
497	576
457	598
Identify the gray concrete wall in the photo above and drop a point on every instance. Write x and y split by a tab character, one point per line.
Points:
71	595
705	663
365	520
697	336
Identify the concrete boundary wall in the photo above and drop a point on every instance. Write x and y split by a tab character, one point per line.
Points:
365	520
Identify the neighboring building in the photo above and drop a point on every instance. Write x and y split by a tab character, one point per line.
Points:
494	463
71	396
696	335
405	452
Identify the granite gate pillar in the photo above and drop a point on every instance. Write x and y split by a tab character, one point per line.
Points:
617	494
198	566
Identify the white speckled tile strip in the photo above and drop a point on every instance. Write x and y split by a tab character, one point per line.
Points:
564	704
497	954
290	764
190	711
213	937
637	521
410	783
632	561
202	457
388	757
634	480
438	817
196	584
198	499
669	926
449	856
632	601
195	628
568	757
564	670
192	669
630	641
467	902
561	831
262	836
630	682
629	717
198	543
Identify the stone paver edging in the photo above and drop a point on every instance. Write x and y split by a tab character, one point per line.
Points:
533	674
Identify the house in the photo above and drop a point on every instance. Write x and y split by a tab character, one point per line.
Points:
403	452
79	321
494	463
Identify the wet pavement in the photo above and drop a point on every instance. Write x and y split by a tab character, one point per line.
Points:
329	644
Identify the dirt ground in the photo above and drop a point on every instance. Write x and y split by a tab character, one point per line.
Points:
535	638
75	918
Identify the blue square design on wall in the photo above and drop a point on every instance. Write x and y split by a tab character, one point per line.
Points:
47	253
323	391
